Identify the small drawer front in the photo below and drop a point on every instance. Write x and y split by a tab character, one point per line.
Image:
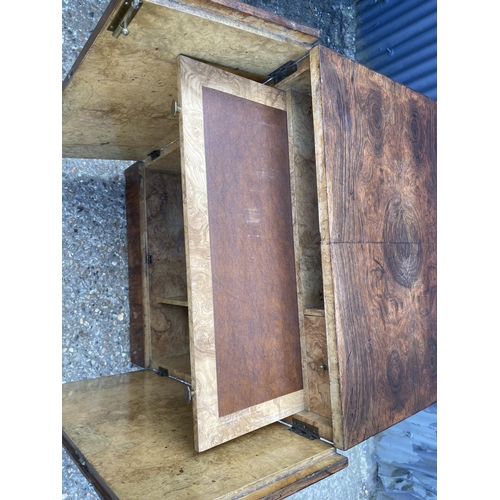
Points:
317	366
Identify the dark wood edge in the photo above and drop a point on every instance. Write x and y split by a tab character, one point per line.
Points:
102	21
308	480
323	50
133	181
88	471
266	16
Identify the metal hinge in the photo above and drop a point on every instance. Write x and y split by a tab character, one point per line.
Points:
149	259
286	69
128	10
306	430
188	391
154	154
282	72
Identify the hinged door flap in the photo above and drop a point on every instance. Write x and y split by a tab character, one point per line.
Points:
376	171
131	435
242	294
116	98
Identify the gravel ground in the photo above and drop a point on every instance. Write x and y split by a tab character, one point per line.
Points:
95	284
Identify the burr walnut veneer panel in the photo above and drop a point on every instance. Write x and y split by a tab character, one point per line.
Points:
133	435
242	293
116	100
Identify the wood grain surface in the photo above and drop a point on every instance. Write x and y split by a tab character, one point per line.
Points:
257	341
116	104
137	275
135	431
376	159
167	262
211	428
305	200
317	366
306	236
87	470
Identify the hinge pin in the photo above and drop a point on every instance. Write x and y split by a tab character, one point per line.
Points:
125	31
127	11
188	394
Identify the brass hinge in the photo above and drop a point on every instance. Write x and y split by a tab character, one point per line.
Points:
127	11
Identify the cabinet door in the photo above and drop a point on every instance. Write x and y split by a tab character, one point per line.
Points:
242	295
376	171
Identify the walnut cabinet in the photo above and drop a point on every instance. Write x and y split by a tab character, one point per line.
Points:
281	214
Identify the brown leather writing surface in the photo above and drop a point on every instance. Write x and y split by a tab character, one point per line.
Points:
253	268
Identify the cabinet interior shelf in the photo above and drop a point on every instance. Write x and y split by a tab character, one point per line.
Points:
174	301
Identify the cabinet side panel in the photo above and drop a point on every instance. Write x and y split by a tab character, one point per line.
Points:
388	337
256	322
380	187
133	181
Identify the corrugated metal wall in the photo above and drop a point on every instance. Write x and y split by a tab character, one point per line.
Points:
398	38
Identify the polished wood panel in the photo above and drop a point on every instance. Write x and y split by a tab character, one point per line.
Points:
381	156
134	201
376	171
317	366
210	428
86	468
166	256
388	330
116	104
135	431
306	238
257	343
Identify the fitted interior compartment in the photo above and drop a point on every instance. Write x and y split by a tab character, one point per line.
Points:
166	316
162	268
166	264
307	241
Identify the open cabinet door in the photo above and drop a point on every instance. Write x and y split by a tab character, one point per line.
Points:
242	295
376	173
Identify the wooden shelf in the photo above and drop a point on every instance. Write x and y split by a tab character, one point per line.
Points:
174	301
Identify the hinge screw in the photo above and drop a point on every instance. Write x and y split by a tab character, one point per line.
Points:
175	108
